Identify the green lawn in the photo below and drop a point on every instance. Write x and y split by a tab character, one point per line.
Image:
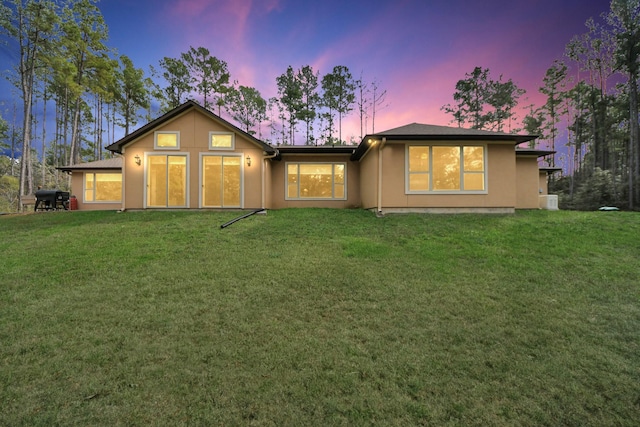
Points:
320	317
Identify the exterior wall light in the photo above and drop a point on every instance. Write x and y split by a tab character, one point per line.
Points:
137	159
248	160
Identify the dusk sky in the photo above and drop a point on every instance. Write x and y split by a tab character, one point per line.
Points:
416	50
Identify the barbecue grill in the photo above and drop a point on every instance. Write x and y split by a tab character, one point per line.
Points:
51	200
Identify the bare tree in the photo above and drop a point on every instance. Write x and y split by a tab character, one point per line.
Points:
378	98
362	103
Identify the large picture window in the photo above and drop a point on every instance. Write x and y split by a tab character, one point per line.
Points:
446	168
316	181
102	187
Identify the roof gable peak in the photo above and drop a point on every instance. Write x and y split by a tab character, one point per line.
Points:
179	110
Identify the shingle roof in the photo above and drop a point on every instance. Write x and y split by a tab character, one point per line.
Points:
113	163
423	132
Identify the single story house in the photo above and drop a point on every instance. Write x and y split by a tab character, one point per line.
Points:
190	158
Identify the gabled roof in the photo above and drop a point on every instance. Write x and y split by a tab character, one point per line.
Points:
118	145
113	163
423	132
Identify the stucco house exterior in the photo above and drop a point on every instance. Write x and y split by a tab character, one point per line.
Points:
191	158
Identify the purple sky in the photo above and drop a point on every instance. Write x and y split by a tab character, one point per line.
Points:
415	49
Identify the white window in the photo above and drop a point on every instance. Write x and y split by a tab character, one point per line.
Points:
102	187
221	141
316	181
446	168
164	140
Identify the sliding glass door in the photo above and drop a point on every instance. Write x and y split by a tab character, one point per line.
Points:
166	181
221	181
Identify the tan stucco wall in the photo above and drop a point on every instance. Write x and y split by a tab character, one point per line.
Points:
543	183
278	182
501	172
194	130
268	183
369	179
527	182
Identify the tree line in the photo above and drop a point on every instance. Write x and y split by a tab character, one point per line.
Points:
591	102
304	98
65	73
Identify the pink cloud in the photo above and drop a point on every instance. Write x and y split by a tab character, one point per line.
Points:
418	73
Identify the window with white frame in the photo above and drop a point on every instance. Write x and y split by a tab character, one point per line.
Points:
166	140
221	141
446	168
316	181
103	187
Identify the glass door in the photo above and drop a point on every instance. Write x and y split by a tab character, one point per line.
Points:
221	181
167	181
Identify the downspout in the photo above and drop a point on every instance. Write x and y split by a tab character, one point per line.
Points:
264	174
384	140
124	183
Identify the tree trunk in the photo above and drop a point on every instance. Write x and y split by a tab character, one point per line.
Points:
55	141
13	141
75	134
99	132
27	87
44	140
634	148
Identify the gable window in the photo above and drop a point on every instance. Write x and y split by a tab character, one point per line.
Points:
221	141
316	181
102	187
167	140
446	168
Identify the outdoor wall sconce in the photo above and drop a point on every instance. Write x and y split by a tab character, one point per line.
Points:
137	158
248	160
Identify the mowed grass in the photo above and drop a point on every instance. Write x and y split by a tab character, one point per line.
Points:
320	317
